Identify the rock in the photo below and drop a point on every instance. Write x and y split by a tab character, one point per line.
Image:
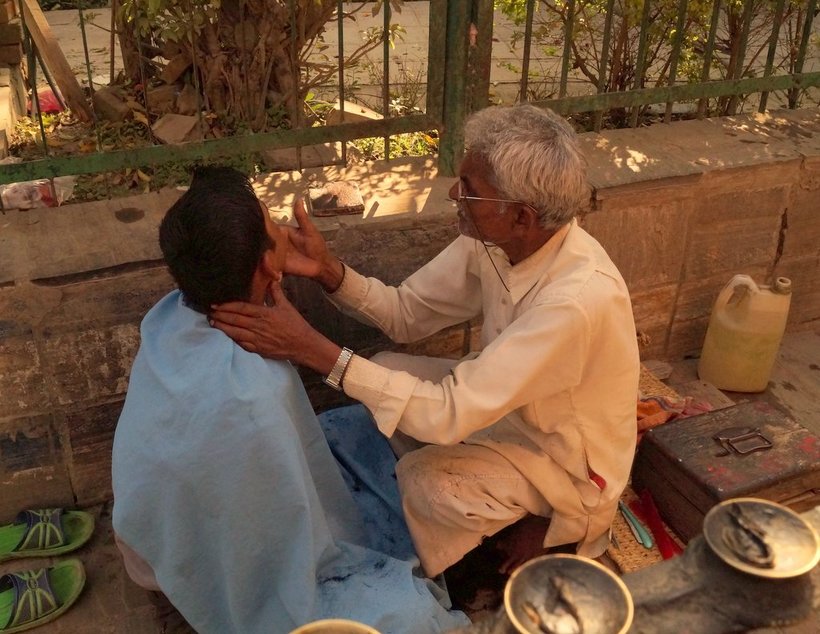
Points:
354	112
161	99
175	68
176	128
109	104
188	100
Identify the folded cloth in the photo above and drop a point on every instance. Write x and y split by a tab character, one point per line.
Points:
656	410
225	485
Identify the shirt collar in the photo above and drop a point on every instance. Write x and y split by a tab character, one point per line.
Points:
523	276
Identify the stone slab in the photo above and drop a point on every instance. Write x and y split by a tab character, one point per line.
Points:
49	242
646	239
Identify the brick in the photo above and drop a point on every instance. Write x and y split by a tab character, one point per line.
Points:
8	11
91	436
11	54
109	105
645	241
11	33
161	99
176	128
175	68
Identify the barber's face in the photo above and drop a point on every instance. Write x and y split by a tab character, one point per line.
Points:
478	218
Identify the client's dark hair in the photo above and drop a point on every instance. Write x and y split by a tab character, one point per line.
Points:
213	238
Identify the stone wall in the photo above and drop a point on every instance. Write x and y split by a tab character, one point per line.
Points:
681	208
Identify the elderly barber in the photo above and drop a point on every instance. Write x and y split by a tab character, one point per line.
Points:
540	422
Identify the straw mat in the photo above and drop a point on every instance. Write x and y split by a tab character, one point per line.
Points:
625	551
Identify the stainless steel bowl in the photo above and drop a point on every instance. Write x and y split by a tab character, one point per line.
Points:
761	538
553	593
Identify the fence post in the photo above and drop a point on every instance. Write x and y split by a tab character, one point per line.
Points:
455	81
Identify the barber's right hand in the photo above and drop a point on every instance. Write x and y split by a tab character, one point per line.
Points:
309	255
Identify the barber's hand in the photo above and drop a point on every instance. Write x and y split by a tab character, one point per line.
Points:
309	255
275	332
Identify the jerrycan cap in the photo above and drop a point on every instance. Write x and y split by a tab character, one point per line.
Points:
782	285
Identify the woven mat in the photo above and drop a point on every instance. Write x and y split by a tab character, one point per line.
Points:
625	551
650	385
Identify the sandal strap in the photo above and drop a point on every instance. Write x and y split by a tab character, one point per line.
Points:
33	596
44	529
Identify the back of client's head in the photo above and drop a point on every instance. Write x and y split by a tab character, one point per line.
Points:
213	238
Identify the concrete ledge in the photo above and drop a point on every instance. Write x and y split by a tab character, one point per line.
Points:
681	208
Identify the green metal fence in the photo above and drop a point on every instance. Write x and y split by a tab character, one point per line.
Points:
611	60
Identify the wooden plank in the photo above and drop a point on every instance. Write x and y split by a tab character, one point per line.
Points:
54	59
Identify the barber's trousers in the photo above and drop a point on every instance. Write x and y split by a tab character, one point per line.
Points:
454	496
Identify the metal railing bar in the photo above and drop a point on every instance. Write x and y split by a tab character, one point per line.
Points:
804	40
741	51
436	57
639	61
210	148
340	35
599	115
95	119
568	28
296	71
200	106
386	72
679	92
708	53
31	59
767	71
683	7
525	62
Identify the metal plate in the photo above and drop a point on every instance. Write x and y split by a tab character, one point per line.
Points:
601	600
794	544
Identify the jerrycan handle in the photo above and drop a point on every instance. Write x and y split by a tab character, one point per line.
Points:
738	289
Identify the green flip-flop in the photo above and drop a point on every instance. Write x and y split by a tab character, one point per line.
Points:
45	533
34	597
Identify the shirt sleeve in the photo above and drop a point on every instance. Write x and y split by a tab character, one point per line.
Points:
444	292
541	353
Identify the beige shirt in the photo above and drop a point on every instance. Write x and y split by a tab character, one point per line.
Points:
554	387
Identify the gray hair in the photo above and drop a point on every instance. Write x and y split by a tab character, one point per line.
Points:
535	158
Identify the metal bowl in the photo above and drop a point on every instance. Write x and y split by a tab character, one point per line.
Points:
790	542
334	626
564	590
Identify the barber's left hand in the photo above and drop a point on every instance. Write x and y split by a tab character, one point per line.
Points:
275	332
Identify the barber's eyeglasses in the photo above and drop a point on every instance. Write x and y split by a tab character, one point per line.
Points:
461	197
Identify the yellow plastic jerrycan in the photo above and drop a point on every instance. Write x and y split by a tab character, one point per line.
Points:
744	334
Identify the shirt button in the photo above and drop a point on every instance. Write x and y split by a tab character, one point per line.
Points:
503	301
498	331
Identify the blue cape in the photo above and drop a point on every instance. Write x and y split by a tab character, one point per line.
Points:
225	484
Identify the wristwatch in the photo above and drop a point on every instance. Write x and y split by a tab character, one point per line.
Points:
334	379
